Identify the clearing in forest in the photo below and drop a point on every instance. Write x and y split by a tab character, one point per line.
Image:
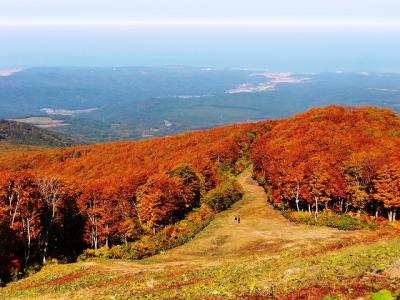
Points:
262	230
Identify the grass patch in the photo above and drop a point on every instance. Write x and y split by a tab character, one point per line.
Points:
330	219
358	271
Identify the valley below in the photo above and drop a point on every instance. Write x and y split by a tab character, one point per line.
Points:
131	103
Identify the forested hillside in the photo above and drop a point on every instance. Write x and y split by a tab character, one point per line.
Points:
135	199
24	134
338	158
58	202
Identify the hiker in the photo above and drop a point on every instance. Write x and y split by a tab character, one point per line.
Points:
238	219
235	218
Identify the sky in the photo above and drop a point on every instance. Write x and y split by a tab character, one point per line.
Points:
27	12
301	35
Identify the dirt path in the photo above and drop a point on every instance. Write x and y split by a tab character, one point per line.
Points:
262	230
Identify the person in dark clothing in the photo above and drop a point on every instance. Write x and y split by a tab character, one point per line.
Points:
238	219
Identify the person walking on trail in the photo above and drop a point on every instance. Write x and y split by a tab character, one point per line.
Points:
238	219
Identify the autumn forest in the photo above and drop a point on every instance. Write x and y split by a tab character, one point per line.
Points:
134	199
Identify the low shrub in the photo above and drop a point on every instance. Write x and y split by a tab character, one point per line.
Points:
103	252
383	295
330	219
224	195
169	237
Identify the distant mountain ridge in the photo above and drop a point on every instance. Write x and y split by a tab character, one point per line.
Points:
25	134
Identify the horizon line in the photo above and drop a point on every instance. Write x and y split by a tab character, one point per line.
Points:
272	22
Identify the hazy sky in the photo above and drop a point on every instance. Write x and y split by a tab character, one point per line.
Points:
25	11
281	35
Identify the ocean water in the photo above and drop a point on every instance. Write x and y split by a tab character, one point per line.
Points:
275	49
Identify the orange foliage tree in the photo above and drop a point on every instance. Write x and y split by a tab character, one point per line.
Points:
387	188
163	200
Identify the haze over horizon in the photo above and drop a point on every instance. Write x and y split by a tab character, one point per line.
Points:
306	36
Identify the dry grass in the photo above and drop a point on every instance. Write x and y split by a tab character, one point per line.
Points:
262	229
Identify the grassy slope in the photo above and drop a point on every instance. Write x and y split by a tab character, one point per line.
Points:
264	255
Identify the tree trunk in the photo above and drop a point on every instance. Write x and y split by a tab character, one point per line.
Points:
10	203
297	206
309	209
95	243
95	239
45	251
15	212
107	238
390	216
316	208
394	216
28	237
376	213
45	241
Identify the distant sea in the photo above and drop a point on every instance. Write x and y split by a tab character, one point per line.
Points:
275	49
